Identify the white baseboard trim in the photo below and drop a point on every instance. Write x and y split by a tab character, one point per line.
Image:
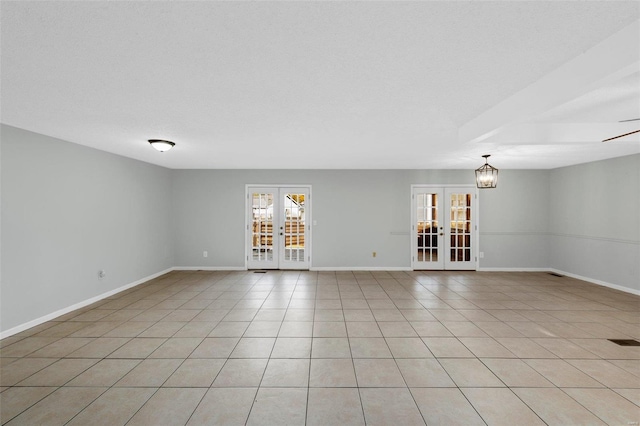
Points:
63	311
209	268
513	269
565	273
360	268
598	282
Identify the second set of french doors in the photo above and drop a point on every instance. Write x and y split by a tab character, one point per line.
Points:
444	227
278	227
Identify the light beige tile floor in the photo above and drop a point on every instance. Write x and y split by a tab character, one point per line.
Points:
332	348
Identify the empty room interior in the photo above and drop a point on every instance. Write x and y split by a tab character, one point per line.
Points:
320	213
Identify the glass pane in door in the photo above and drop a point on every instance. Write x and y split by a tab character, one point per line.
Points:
427	227
460	225
262	227
294	227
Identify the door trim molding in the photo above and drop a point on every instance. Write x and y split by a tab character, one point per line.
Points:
308	218
475	212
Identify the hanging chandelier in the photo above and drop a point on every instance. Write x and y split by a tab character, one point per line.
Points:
486	175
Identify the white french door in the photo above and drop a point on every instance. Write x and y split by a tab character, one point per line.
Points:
444	230
278	231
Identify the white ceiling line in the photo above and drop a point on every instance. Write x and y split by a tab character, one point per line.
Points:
612	59
557	133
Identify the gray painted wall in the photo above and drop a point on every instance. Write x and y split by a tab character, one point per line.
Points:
594	221
357	212
514	219
69	211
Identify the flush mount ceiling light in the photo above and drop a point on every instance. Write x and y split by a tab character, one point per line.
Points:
161	145
486	175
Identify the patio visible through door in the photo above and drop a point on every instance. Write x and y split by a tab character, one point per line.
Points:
278	231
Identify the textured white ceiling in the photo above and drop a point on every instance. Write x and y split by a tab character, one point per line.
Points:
321	84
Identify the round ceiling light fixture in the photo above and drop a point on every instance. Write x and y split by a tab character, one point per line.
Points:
161	144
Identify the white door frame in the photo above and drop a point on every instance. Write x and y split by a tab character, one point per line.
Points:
474	212
308	219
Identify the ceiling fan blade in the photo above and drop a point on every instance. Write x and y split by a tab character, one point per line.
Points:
631	119
621	136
